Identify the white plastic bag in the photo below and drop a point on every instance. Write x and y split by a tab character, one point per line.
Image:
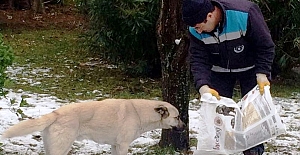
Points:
226	127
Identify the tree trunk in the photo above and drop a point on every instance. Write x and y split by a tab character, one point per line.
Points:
175	69
11	4
38	6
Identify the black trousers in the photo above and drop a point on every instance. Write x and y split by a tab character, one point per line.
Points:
224	83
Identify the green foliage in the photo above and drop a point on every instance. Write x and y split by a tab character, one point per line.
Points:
19	112
124	32
83	5
155	149
24	103
60	67
6	59
283	19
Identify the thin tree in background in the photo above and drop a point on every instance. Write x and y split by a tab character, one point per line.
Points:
175	69
38	6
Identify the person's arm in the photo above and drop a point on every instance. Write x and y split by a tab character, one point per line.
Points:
261	39
199	60
200	67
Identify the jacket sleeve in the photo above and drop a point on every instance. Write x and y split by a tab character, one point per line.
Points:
260	37
199	61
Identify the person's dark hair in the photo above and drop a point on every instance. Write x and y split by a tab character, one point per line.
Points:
195	11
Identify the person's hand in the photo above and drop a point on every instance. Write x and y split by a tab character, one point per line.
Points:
262	81
206	89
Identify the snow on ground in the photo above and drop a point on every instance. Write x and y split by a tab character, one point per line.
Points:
42	103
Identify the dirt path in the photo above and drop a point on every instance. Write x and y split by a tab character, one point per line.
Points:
66	17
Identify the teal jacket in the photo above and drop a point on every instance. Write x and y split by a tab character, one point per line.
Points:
241	42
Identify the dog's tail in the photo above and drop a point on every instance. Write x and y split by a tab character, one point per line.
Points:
30	126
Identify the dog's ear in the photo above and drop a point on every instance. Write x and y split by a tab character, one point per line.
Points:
163	111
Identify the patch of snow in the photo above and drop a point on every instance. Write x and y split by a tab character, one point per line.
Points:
42	103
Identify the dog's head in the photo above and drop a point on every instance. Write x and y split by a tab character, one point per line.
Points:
170	117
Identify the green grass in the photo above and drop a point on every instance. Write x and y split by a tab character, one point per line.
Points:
68	77
286	87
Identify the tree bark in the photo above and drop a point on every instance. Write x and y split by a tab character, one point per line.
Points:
11	4
38	6
175	69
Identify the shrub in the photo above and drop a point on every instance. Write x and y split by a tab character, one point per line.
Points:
6	59
283	19
124	32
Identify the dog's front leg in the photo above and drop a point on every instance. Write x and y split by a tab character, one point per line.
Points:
113	150
122	149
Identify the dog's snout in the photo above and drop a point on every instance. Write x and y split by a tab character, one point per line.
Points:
180	127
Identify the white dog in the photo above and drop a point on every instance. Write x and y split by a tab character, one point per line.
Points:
112	121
